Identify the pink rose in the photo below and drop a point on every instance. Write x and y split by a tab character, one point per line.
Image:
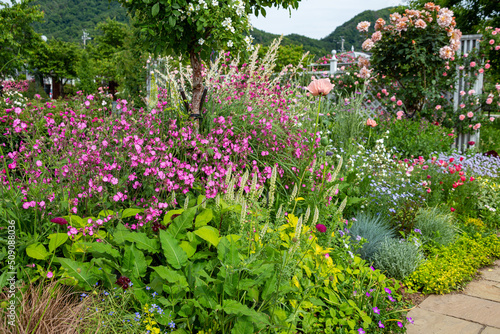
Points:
461	117
472	64
470	114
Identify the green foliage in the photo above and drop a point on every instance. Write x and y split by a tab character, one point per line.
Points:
18	40
374	229
449	267
415	138
397	258
86	74
411	59
348	31
287	54
436	226
65	20
404	217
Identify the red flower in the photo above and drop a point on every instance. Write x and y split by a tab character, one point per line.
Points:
321	228
452	209
59	220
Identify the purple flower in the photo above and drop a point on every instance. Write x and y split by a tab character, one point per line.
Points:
59	220
361	331
410	320
380	324
321	228
400	324
376	310
388	290
391	299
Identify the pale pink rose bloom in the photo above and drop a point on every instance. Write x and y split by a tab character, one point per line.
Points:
472	92
497	86
363	26
462	105
320	87
477	126
438	107
489	100
492	119
492	41
470	114
487	66
446	52
420	24
497	47
400	113
472	64
399	103
376	36
462	93
393	98
367	45
461	117
379	24
364	73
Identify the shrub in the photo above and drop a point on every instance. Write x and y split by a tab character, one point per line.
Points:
448	267
435	226
374	229
398	258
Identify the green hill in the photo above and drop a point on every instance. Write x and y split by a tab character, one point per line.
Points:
349	32
66	19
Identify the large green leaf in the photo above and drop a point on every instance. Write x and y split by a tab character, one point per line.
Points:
134	261
188	247
56	240
205	295
174	254
37	251
79	271
142	241
208	233
120	234
172	276
98	249
232	306
131	212
182	222
204	218
156	9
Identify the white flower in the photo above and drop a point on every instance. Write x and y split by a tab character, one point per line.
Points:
201	41
230	44
215	3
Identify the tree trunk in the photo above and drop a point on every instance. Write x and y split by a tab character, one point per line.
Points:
112	88
197	83
56	88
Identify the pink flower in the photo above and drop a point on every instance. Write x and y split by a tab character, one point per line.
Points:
393	98
452	209
368	44
472	64
320	87
321	228
438	107
363	26
461	117
17	110
487	66
50	274
38	163
371	122
87	103
470	114
492	119
59	220
489	100
399	103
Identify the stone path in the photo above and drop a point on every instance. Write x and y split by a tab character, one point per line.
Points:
476	310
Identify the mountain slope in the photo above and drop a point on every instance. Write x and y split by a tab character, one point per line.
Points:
66	19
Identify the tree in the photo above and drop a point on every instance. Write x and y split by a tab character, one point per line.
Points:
18	40
106	50
470	15
197	28
56	59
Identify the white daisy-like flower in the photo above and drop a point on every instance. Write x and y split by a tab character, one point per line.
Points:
201	41
230	44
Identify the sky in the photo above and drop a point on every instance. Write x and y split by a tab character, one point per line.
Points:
316	18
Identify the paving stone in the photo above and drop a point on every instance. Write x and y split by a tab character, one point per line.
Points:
491	330
465	307
427	322
492	273
484	289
